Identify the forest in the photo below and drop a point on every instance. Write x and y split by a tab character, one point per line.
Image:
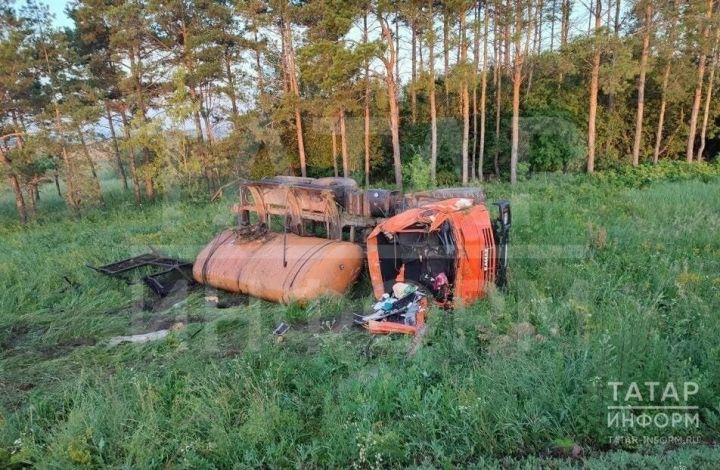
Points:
198	94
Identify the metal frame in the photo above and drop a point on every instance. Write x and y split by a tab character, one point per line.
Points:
158	282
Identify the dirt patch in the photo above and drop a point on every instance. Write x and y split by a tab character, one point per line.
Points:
65	347
143	323
17	336
14	335
151	302
334	325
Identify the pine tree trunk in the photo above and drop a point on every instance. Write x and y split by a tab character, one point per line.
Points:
594	82
531	52
334	148
389	61
446	55
641	85
72	196
231	87
289	53
476	67
344	145
539	27
258	65
552	25
661	113
483	97
135	67
565	22
397	47
133	162
497	78
464	100
367	107
473	148
698	89
196	117
665	80
517	80
413	91
189	68
433	105
613	54
88	158
116	147
708	98
17	190
205	99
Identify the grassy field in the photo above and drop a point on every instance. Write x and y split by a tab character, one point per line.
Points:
609	283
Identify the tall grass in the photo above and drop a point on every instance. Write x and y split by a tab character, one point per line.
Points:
608	283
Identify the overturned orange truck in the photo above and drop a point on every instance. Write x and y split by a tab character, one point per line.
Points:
301	238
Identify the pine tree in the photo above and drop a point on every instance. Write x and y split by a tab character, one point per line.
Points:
594	85
702	60
389	59
670	16
647	8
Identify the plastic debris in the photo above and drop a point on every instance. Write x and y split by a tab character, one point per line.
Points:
401	289
146	337
281	329
411	314
396	315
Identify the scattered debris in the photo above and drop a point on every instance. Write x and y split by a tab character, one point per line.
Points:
403	312
162	282
224	300
146	337
281	329
143	338
72	284
401	289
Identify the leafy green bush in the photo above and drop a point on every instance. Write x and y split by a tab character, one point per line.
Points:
417	173
555	143
643	175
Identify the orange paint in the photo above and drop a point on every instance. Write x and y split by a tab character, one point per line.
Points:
474	242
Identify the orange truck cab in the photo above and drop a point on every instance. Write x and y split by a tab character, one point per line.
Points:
451	248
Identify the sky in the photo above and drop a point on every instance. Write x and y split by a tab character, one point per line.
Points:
57	7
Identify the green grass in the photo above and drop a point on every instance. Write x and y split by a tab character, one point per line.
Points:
618	284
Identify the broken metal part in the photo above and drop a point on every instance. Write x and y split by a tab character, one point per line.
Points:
501	231
423	198
163	283
169	271
384	326
281	329
397	310
379	202
334	203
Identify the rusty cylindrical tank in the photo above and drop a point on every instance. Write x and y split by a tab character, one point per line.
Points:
276	268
